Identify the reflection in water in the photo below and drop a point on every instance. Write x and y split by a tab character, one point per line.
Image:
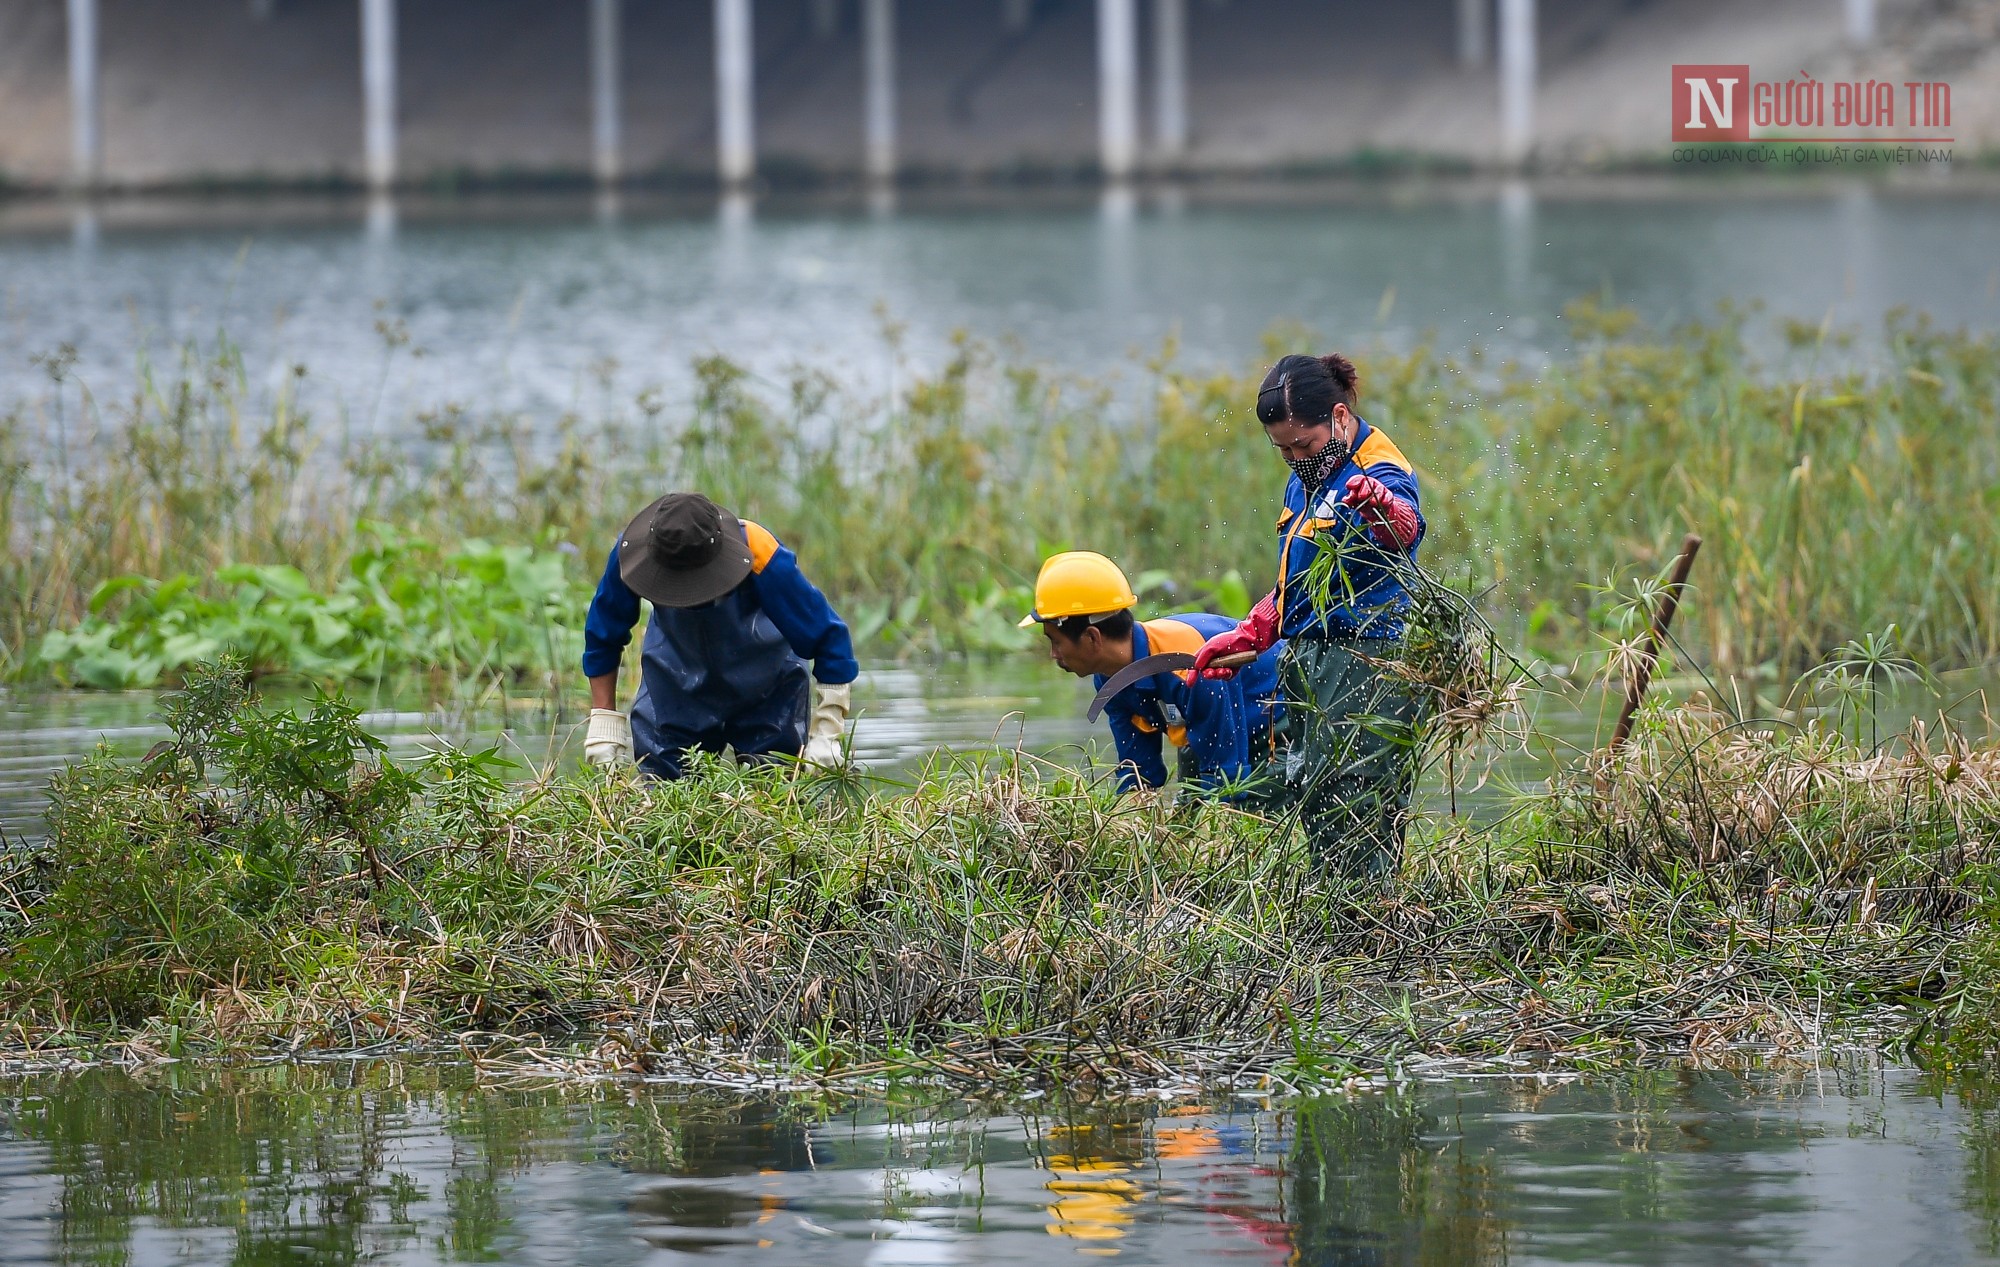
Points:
1859	220
381	219
83	226
1117	263
1094	1200
1517	237
605	206
1357	1200
343	1162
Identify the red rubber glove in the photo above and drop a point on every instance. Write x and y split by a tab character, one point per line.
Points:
1255	634
1391	520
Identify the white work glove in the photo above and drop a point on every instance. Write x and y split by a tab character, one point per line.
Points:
608	741
829	724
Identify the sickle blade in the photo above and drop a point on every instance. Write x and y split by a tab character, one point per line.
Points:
1138	670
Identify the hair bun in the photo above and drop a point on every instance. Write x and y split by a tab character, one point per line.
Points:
1306	389
1342	371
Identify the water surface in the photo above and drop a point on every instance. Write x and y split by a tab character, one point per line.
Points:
548	307
352	1161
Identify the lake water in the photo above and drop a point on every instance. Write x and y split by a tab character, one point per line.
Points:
550	305
408	1162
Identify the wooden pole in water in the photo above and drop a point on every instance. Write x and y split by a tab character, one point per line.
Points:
1649	651
86	118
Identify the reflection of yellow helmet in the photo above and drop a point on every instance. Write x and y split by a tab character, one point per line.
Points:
1079	583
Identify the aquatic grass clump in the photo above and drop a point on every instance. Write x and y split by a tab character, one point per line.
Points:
1803	808
266	881
1836	493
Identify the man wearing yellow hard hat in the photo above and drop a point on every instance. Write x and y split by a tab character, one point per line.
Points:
1221	727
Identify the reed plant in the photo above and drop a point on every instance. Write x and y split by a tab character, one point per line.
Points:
265	881
1838	493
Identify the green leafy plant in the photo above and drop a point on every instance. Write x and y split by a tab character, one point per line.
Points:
402	605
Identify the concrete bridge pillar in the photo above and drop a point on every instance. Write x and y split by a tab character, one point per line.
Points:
604	94
1472	32
86	117
1118	86
1860	22
878	56
378	91
735	92
1170	113
1517	79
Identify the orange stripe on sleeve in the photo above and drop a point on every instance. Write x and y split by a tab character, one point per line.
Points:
763	546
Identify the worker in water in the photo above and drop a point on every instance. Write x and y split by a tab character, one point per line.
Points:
1221	727
1350	726
735	624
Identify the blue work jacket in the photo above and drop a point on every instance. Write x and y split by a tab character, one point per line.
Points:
1364	597
1215	723
728	672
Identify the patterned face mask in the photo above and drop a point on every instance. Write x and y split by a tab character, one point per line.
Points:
1317	469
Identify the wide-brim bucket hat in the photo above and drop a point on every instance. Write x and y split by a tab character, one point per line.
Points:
683	551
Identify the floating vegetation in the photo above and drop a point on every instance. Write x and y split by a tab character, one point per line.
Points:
1836	494
265	883
401	606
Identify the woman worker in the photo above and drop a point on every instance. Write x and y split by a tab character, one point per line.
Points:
1350	725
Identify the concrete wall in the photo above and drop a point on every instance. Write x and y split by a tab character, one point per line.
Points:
198	89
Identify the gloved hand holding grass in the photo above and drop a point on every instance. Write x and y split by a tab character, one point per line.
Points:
1254	635
829	726
608	739
1391	520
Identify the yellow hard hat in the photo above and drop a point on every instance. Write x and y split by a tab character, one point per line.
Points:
1079	583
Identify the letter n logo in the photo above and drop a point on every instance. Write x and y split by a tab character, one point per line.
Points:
1711	103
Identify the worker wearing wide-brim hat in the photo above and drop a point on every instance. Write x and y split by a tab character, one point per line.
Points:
735	625
1221	728
1351	728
